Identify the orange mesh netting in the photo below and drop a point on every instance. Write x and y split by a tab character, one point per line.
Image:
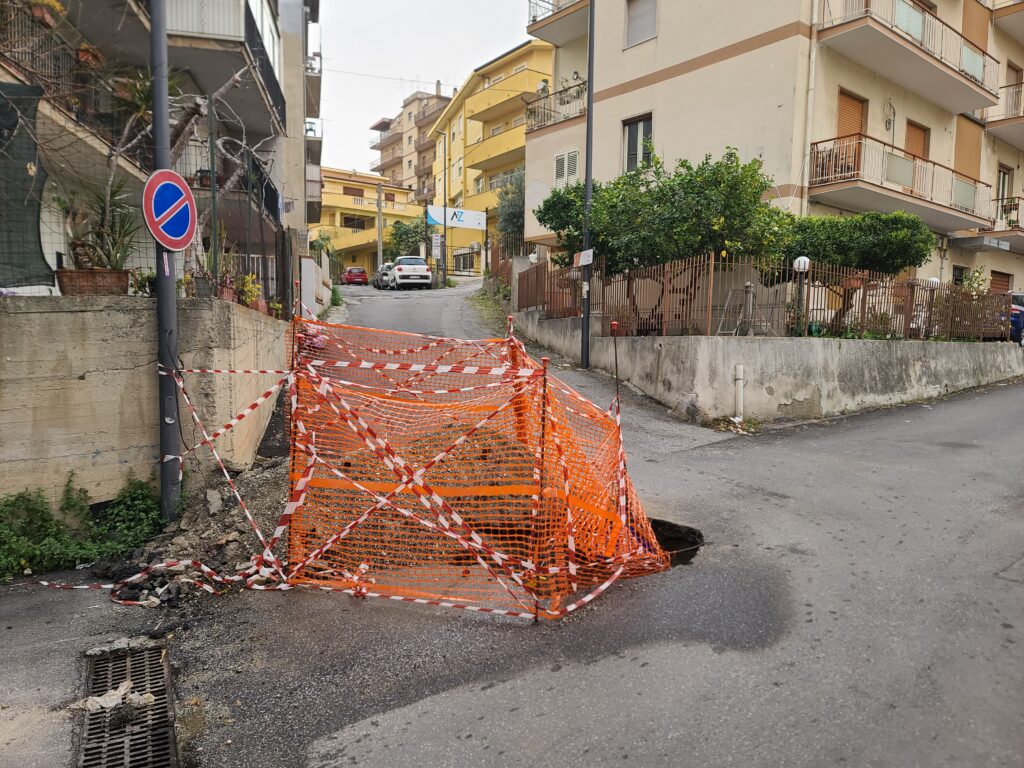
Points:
457	473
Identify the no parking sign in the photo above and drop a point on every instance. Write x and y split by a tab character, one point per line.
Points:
169	209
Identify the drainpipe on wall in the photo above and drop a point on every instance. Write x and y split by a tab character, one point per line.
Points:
811	77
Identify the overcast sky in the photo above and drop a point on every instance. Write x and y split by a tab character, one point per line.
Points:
414	41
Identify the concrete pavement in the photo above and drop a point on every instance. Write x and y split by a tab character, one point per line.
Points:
861	602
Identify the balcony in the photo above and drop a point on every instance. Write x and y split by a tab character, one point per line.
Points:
557	107
425	142
504	149
428	116
903	43
426	193
858	173
558	21
388	159
314	77
1008	225
314	132
80	109
380	140
314	193
1008	15
1006	120
425	167
503	97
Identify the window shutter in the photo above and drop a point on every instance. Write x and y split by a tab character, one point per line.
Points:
572	167
641	21
560	171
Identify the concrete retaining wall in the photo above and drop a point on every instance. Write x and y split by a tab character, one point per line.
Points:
78	386
794	378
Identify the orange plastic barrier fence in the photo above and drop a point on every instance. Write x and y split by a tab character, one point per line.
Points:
455	473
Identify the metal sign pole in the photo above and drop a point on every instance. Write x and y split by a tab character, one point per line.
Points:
166	290
588	194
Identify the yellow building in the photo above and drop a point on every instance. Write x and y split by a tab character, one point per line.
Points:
482	132
349	215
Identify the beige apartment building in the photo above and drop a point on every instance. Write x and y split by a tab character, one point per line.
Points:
407	151
853	105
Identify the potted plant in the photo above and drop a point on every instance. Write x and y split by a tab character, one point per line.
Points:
47	12
226	290
89	55
143	283
249	291
101	238
276	308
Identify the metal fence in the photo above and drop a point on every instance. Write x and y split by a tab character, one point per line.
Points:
728	296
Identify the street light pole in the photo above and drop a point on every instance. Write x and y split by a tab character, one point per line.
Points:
166	289
588	192
444	238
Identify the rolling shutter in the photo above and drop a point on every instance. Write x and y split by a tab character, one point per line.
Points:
917	140
976	22
967	150
641	21
851	115
1000	282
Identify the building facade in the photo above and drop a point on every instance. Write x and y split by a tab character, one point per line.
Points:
482	133
349	215
406	149
88	62
853	106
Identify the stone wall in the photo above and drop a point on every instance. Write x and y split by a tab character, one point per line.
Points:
78	386
785	378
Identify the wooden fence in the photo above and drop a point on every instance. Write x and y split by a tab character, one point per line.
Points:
729	296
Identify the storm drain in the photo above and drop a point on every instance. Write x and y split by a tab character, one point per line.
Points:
129	736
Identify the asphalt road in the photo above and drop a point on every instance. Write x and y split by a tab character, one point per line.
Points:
861	603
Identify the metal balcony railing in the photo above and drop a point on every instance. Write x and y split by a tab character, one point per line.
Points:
382	139
1008	212
429	114
49	60
1011	103
194	167
541	9
425	167
861	158
254	42
314	128
921	27
557	107
424	142
389	158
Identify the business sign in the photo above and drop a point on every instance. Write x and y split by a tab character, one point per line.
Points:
456	217
435	246
169	210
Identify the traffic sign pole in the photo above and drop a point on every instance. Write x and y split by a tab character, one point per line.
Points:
166	289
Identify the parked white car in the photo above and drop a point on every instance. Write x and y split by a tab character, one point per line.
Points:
409	271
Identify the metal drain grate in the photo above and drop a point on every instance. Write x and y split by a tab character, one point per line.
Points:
130	737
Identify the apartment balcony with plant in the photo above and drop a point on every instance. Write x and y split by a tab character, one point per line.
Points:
1009	224
558	21
84	93
557	107
860	173
909	45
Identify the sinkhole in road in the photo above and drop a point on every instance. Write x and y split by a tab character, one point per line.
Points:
682	542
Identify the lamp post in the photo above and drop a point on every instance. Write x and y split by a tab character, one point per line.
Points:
801	266
932	284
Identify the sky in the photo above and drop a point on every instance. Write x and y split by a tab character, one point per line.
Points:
406	45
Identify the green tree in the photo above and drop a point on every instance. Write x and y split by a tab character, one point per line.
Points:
512	205
404	239
879	242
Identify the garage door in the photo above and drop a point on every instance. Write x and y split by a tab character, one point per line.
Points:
1001	282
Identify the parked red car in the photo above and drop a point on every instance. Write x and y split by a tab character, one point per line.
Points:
355	276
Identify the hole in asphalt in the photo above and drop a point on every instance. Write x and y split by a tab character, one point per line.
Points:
683	542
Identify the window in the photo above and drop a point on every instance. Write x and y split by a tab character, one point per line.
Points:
479	184
352	191
410	117
354	222
641	21
1000	282
497	129
521	120
567	168
520	68
636	142
960	274
408	140
459	171
1004	190
409	163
